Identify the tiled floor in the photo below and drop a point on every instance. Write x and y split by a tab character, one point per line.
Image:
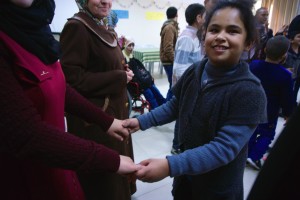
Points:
156	143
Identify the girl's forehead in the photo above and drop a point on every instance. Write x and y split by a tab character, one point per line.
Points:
226	15
227	11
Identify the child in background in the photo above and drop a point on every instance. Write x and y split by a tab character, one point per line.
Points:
188	47
218	103
188	50
142	77
168	37
281	171
278	85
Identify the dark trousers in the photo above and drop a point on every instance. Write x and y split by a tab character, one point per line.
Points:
169	71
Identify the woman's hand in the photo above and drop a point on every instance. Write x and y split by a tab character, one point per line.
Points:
117	130
127	166
129	74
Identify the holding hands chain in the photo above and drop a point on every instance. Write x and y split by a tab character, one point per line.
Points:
150	170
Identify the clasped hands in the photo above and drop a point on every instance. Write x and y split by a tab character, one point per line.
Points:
150	170
121	129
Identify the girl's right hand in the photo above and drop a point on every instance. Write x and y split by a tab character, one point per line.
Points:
131	124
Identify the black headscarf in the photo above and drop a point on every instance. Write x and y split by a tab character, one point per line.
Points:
30	28
294	27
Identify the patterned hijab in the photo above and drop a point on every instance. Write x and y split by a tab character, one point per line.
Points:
29	27
82	5
112	19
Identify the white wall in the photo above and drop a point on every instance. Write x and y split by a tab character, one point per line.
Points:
145	32
64	10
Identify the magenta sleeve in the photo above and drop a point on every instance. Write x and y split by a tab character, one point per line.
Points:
24	135
81	107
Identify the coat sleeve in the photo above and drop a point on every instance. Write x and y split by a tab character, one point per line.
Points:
77	105
24	135
161	115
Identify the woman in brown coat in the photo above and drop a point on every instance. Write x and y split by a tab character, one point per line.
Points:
94	65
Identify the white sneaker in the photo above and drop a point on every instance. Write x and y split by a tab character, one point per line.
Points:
255	164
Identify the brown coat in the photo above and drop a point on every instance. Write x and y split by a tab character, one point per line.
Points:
169	35
92	63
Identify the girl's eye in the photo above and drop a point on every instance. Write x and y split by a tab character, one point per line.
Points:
213	30
233	31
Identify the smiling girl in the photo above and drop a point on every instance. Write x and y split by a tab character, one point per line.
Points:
219	103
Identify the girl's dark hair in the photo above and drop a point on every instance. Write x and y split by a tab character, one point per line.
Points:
245	9
192	11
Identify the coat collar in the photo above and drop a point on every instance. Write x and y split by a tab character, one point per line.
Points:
100	31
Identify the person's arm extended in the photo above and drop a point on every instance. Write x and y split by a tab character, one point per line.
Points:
78	105
24	135
161	115
222	150
225	147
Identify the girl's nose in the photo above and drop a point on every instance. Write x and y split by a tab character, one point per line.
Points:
220	36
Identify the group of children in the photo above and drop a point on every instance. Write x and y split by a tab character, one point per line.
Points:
279	75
